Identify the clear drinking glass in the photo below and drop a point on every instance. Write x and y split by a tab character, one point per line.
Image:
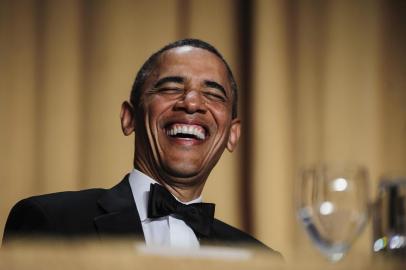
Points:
332	204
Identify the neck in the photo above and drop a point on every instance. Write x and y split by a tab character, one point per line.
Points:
183	195
185	190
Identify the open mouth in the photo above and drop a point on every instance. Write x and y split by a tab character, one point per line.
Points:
186	131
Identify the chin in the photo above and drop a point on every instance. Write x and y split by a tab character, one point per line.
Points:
183	172
180	173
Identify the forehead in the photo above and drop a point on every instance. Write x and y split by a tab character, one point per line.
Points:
188	61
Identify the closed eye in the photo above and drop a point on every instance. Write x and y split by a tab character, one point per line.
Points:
169	90
214	96
216	89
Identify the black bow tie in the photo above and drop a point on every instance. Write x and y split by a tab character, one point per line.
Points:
198	216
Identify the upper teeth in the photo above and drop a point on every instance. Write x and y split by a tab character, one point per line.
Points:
186	129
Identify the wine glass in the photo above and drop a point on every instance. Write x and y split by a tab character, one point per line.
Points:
332	205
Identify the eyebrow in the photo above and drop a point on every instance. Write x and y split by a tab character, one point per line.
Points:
175	79
218	86
178	79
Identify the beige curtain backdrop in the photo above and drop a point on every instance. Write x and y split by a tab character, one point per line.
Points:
328	83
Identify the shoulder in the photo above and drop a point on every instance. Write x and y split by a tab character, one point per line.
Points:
52	213
61	201
231	235
68	196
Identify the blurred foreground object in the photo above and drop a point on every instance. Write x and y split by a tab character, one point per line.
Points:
116	254
134	255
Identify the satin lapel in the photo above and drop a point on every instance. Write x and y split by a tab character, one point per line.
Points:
121	218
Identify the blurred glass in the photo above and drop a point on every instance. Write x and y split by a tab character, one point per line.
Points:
389	219
332	205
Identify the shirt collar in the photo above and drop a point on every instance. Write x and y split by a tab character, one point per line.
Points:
140	184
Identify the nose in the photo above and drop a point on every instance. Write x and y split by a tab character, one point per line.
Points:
191	102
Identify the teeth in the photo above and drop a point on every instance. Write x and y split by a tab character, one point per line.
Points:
187	129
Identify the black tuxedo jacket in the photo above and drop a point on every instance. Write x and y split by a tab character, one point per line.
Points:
96	213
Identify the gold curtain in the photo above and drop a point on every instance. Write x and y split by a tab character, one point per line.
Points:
328	83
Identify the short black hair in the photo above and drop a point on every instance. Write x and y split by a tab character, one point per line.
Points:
149	65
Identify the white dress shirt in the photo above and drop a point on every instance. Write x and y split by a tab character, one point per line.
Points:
165	231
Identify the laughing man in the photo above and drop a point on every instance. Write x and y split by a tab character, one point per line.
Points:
183	111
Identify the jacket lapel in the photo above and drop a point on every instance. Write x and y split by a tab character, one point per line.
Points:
121	217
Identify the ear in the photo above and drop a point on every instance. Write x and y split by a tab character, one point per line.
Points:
127	118
234	135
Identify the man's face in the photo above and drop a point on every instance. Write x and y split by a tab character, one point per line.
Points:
184	121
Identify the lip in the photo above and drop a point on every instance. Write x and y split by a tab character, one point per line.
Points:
185	141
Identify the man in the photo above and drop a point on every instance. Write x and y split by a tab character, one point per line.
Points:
183	111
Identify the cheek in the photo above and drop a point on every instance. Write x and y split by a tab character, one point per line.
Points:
155	107
221	115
